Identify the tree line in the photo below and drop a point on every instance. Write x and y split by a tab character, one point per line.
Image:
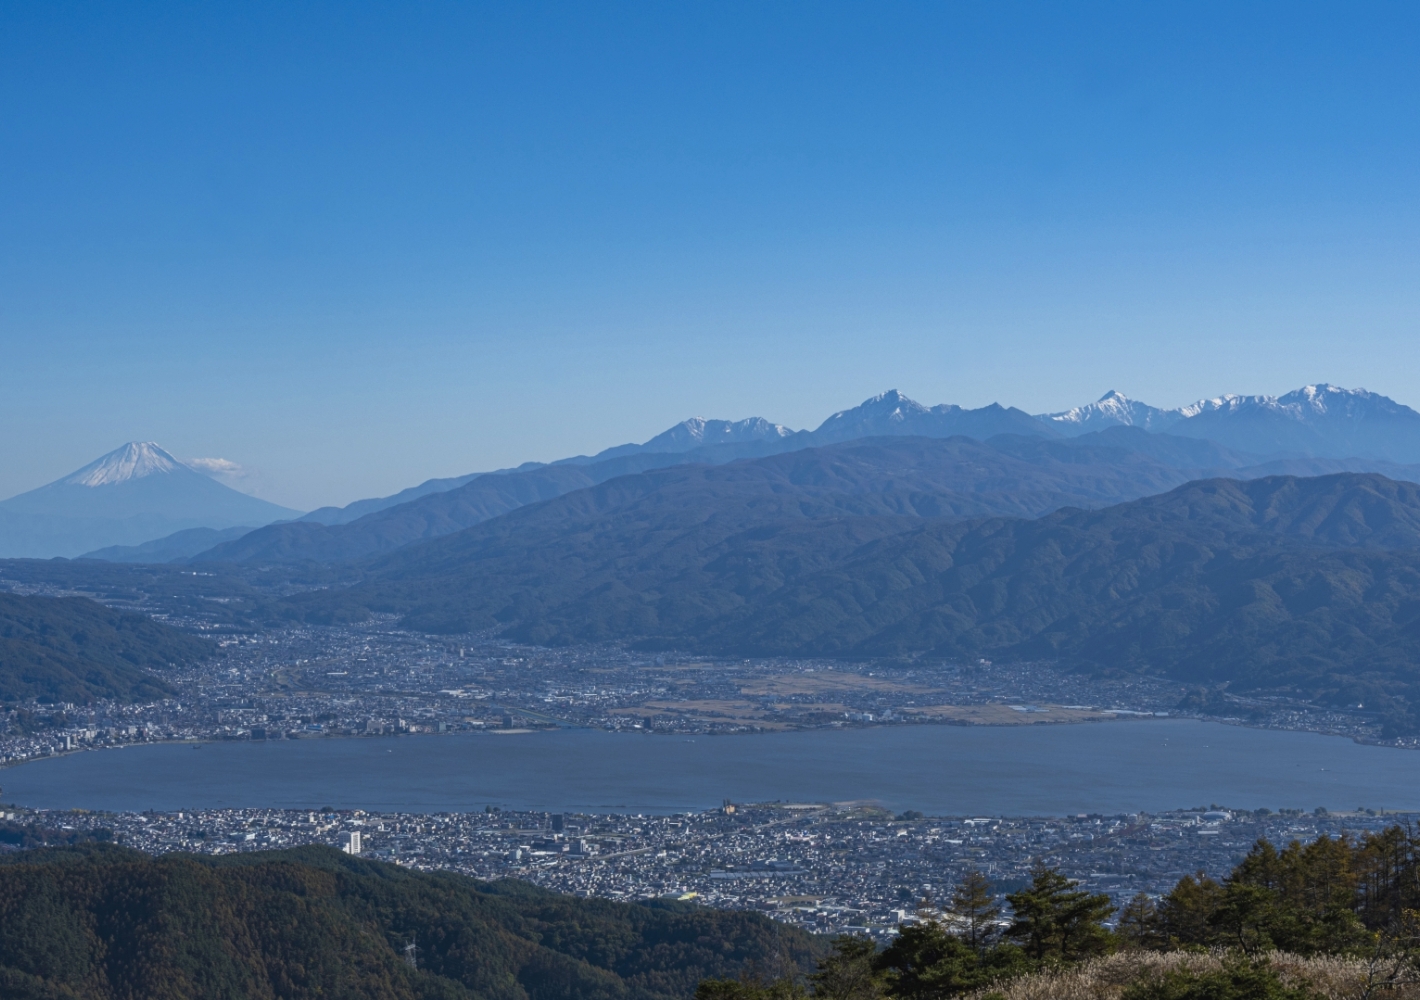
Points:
1357	897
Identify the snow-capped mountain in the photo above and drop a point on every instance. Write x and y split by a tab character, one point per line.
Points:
760	436
1113	409
1323	421
133	494
133	461
697	432
893	414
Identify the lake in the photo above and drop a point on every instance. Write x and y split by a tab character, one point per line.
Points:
945	770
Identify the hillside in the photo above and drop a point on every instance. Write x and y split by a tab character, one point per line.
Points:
72	649
1312	583
177	546
101	923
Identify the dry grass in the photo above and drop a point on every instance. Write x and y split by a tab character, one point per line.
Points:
1106	978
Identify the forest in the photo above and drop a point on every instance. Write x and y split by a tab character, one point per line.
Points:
58	649
99	922
1334	918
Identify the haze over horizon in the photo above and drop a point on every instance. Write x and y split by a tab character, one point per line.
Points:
350	249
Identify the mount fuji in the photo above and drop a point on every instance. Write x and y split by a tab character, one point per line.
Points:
131	495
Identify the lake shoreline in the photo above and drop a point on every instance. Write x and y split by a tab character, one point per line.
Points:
1132	766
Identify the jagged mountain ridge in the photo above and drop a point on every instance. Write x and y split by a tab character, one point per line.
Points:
1320	421
710	441
892	413
1265	434
129	496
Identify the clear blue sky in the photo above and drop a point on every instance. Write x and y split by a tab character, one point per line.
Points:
352	246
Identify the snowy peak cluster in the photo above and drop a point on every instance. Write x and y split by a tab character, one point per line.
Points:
1320	400
1314	421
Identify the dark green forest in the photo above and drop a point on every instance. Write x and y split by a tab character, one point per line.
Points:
97	922
72	649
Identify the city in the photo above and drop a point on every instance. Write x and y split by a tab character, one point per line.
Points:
829	868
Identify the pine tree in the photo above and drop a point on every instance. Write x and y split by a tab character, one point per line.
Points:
1139	924
974	908
847	973
1054	921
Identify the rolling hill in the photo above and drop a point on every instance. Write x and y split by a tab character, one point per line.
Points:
72	649
98	923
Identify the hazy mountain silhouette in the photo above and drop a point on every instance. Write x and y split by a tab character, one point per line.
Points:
131	495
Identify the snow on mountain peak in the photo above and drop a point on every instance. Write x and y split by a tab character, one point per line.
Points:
134	460
892	406
698	431
1112	409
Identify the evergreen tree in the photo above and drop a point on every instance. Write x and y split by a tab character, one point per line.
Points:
975	910
847	973
1055	922
1186	915
925	962
1139	924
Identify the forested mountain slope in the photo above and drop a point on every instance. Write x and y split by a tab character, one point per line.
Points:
427	516
72	649
99	923
1009	474
1310	583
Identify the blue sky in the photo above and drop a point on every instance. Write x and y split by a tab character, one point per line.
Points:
352	246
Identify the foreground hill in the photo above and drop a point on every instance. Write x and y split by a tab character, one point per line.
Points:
1312	583
72	649
103	923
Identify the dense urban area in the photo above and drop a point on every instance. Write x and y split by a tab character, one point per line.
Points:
827	868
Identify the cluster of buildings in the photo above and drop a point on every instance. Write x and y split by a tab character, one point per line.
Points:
827	868
313	682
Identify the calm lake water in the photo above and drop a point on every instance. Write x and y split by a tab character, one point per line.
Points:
1109	767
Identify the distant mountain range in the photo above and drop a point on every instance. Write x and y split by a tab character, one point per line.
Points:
1314	430
439	507
132	495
